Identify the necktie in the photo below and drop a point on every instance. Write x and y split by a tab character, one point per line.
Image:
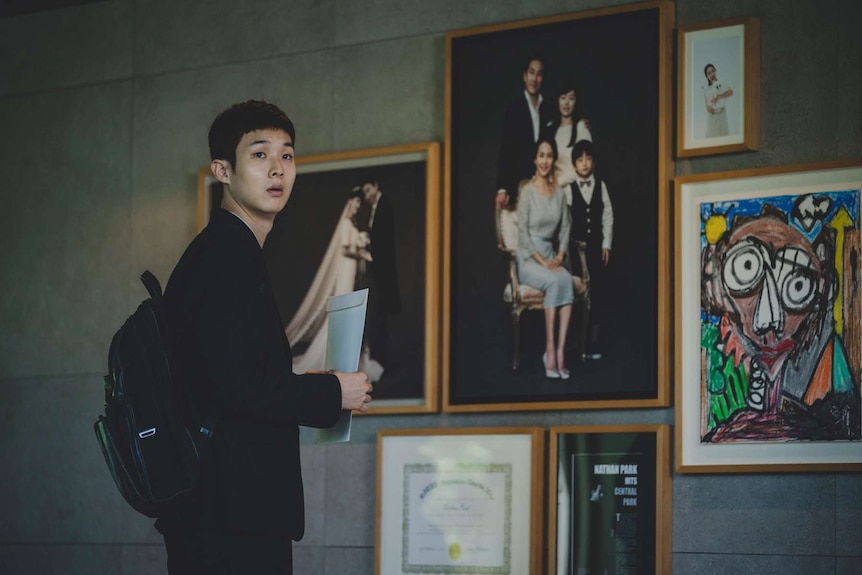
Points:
585	183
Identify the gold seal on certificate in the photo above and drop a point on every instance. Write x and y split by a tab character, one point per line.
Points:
455	551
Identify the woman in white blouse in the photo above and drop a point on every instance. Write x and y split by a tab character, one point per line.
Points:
567	129
715	95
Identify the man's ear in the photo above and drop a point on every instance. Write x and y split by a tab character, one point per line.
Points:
221	170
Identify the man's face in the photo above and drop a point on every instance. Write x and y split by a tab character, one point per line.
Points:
773	278
264	174
369	190
584	165
533	77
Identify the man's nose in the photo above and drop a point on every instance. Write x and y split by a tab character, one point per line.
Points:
768	314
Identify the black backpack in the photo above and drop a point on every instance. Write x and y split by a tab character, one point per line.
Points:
152	454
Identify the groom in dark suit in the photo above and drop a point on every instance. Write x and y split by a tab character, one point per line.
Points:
523	119
384	295
231	351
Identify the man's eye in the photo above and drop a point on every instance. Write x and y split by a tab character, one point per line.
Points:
287	157
743	269
258	155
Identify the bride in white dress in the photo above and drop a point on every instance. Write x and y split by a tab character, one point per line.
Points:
346	255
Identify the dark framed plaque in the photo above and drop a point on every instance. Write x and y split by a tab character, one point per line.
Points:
609	508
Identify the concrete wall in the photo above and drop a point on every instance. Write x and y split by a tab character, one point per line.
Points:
104	110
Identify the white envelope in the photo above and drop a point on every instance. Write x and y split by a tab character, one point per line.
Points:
345	327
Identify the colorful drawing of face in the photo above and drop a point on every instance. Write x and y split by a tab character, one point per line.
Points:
773	280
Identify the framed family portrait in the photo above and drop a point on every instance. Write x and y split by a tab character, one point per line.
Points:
718	91
609	500
459	501
365	218
572	115
768	342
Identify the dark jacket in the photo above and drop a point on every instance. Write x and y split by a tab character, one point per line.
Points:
383	266
515	160
231	349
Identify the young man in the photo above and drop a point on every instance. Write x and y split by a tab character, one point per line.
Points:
523	119
232	353
593	223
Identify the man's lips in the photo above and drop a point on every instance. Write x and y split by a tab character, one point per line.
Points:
776	350
275	190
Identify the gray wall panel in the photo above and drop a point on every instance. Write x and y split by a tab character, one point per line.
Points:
350	486
314	470
848	507
53	479
64	228
388	93
188	35
144	560
69	47
733	564
758	515
349	561
47	559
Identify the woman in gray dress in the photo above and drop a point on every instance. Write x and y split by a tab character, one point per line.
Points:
543	237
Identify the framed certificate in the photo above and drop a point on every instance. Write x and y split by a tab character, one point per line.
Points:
609	500
459	501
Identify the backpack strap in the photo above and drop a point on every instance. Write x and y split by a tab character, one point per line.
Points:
154	288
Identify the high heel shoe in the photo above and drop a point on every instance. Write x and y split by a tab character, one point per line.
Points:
564	373
549	373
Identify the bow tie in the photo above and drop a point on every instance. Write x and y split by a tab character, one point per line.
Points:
586	183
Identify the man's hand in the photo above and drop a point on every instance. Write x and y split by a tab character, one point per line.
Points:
606	256
502	199
355	390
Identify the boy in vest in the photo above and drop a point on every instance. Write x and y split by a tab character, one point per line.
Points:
592	223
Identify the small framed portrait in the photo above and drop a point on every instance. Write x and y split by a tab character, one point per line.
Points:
609	500
556	273
768	341
365	218
718	95
459	501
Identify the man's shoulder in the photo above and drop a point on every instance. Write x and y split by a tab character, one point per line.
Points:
220	248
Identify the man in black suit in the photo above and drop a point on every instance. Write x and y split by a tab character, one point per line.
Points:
384	296
523	119
232	352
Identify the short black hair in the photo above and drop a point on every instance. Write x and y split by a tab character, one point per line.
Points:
706	72
537	57
232	124
583	147
565	86
367	179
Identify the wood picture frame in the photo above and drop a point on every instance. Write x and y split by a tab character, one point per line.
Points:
614	482
492	353
768	320
304	233
459	500
718	87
